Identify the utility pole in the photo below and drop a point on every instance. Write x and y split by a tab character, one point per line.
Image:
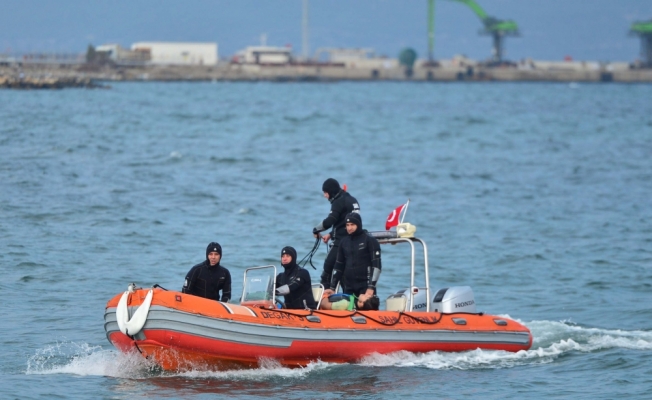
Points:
304	25
431	30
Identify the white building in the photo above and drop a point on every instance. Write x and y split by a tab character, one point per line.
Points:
361	58
344	55
264	55
179	53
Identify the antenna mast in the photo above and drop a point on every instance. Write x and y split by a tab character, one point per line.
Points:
304	32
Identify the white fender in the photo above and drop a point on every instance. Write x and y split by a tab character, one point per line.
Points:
135	324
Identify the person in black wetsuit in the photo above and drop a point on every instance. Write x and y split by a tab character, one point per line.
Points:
294	283
342	203
358	264
208	278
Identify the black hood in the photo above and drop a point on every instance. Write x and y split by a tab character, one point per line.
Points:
292	253
356	219
332	187
214	246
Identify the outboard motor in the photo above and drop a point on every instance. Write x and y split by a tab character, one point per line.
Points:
454	299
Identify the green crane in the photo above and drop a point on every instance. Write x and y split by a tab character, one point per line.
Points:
644	30
493	27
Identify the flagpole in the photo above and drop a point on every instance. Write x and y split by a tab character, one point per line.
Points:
405	210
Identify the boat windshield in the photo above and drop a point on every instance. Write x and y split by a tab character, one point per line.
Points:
259	284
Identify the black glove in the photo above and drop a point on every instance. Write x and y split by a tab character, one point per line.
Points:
325	280
315	231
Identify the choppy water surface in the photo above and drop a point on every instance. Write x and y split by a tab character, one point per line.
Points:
536	195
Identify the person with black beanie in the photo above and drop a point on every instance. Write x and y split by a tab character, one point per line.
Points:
294	282
358	263
342	203
208	278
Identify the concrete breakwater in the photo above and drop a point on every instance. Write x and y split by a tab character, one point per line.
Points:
58	76
32	82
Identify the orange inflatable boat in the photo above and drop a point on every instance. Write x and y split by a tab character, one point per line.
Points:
180	331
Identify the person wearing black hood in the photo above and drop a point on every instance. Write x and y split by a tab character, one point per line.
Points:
358	264
294	283
208	278
342	203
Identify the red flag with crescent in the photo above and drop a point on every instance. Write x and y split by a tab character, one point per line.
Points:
393	218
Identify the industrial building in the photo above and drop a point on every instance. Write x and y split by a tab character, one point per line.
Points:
355	58
121	56
178	53
160	53
265	55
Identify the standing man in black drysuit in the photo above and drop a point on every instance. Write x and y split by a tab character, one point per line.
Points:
358	261
342	203
294	283
208	278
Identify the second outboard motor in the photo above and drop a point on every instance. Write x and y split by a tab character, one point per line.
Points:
454	299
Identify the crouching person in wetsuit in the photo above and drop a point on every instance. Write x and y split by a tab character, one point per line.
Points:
294	282
341	301
208	278
358	262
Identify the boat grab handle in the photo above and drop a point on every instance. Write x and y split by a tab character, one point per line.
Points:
131	327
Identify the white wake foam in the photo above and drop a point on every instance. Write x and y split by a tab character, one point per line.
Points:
268	369
551	340
84	360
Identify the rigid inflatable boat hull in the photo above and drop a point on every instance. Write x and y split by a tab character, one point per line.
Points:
184	331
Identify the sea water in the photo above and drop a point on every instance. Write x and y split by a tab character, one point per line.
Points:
538	196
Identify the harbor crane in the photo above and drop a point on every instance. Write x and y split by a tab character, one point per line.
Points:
644	30
494	27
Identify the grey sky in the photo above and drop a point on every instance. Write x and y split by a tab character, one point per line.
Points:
551	29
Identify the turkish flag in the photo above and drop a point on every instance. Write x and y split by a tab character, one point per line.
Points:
392	218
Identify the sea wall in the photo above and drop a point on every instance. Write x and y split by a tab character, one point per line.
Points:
57	76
